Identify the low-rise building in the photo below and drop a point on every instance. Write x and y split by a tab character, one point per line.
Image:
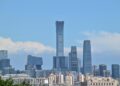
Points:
69	81
20	78
99	81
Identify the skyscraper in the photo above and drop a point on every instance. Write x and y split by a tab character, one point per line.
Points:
59	38
102	69
87	59
3	54
4	63
73	60
34	62
5	66
59	60
115	71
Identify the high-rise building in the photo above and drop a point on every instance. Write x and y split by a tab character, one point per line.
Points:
5	66
115	71
87	59
59	38
102	69
59	60
34	62
3	54
95	70
4	63
59	63
73	60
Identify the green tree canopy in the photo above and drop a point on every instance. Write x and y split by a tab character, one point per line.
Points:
9	82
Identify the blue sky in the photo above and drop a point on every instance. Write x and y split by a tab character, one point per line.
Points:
34	21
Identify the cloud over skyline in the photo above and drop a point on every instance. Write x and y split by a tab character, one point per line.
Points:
14	47
105	45
101	42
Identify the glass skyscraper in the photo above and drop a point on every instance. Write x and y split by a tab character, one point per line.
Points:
59	38
87	59
73	60
115	71
34	62
3	54
102	69
59	60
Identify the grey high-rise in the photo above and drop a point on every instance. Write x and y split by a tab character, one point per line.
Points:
115	71
59	61
102	69
34	62
73	60
59	38
87	59
3	54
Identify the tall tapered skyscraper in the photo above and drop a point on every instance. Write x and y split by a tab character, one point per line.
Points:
87	59
59	38
59	61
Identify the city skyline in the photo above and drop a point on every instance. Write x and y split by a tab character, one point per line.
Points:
28	27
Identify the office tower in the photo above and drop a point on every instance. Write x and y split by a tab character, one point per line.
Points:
59	63
115	71
5	66
8	70
102	69
59	60
106	73
59	38
87	59
73	60
34	62
95	70
3	54
4	63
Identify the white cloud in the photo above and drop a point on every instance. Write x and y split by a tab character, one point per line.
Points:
104	42
27	47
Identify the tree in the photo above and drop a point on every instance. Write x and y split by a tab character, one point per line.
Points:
9	82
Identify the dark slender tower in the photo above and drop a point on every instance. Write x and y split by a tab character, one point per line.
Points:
59	38
87	58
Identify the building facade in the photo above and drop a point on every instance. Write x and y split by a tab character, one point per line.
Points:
100	81
73	60
34	62
102	69
3	54
87	58
59	38
115	71
59	61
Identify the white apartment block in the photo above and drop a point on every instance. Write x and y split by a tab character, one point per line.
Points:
69	80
